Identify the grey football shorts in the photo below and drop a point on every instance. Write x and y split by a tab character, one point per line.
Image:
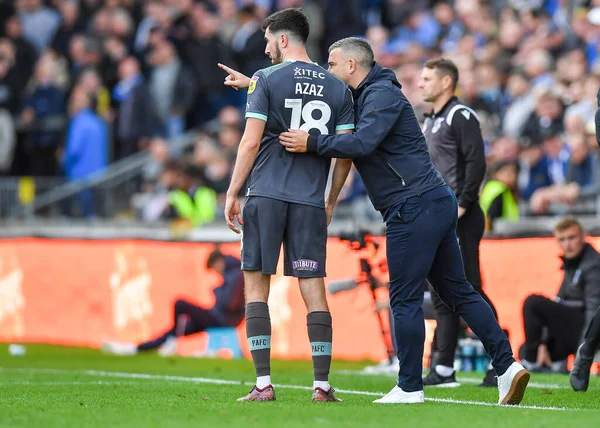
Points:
302	229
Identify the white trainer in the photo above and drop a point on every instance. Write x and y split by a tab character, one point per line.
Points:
169	348
117	348
385	367
512	384
398	396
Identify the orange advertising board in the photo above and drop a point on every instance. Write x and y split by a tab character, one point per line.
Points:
83	292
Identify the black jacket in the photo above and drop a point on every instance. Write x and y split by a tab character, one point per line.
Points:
456	146
388	147
229	304
581	282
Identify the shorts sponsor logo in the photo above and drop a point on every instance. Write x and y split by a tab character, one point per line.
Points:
305	265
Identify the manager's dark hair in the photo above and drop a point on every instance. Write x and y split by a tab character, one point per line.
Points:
291	21
445	67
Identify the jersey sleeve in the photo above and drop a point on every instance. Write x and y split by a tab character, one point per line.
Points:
257	104
346	119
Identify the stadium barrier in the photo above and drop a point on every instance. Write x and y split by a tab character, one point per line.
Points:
80	292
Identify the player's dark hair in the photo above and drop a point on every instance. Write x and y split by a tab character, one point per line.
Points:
291	21
444	67
213	257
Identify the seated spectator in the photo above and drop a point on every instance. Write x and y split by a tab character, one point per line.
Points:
188	318
498	197
554	327
154	204
193	201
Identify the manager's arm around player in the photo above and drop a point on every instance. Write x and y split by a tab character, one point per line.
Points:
420	212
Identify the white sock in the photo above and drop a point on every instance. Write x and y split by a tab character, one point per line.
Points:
444	370
263	381
323	384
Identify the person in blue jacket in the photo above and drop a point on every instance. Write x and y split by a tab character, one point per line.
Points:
86	148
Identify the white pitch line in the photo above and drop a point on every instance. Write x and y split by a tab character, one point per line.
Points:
299	387
99	382
536	385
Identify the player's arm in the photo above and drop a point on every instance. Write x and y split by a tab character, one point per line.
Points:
246	154
257	110
234	78
467	130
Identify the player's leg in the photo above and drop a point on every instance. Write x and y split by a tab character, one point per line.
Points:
304	258
580	374
264	225
412	238
447	276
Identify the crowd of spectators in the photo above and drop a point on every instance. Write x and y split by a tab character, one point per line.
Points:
85	83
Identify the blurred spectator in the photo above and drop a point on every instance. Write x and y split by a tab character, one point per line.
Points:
70	25
581	179
192	200
533	170
172	86
500	195
10	88
248	42
24	53
7	141
90	82
522	104
43	116
40	22
547	118
86	147
137	119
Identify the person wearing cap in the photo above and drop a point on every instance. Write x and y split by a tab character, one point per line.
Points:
498	198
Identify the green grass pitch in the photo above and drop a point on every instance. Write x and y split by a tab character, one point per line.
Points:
75	387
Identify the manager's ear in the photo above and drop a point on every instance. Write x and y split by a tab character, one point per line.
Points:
352	66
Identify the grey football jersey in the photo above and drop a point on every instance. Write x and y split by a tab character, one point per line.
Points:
295	95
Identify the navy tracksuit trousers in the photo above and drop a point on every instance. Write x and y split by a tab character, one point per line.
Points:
422	244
